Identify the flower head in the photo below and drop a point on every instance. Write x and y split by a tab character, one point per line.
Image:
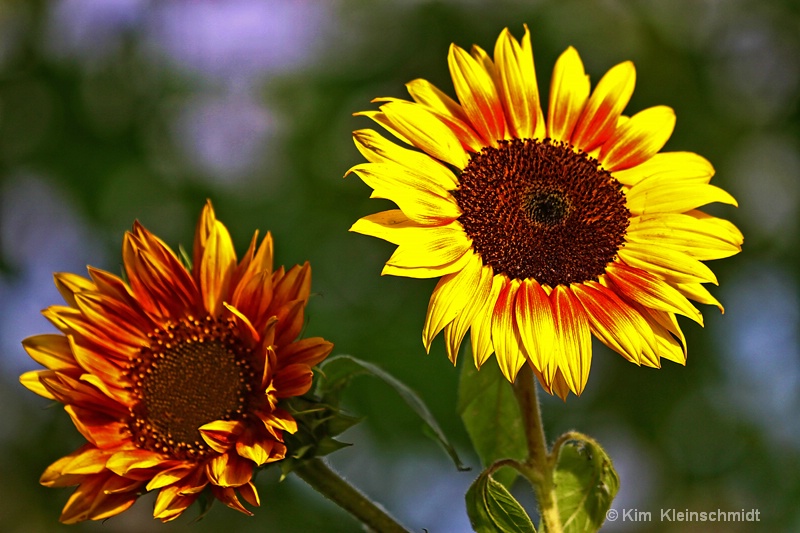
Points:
175	377
544	231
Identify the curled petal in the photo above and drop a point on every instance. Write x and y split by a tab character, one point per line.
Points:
229	470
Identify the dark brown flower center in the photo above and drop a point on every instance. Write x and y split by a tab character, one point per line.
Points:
194	372
541	210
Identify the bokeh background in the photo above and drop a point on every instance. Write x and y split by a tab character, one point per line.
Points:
115	110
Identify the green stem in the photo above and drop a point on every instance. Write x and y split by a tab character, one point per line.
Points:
331	485
539	465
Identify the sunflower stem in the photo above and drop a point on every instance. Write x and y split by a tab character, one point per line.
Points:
539	464
334	487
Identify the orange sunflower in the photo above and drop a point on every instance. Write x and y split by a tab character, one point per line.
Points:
175	377
544	231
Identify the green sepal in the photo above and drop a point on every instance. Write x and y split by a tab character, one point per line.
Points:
492	509
492	418
317	424
586	483
186	259
205	501
338	371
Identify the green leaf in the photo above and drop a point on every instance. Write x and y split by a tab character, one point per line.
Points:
491	415
337	372
586	484
492	509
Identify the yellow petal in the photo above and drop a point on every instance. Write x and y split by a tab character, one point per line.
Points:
377	149
517	85
614	322
124	461
638	139
724	228
672	265
69	285
649	291
426	93
430	135
477	94
454	331
170	476
260	451
685	233
698	293
417	195
386	225
652	195
569	91
669	167
505	336
450	297
670	339
426	272
433	246
381	119
599	118
481	331
30	380
228	470
220	435
574	338
537	328
51	351
216	268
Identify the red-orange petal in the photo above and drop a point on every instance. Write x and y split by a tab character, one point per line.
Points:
229	470
599	118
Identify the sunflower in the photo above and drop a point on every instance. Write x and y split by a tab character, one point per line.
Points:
175	377
544	231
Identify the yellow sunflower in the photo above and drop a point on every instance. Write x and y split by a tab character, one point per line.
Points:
175	376
544	231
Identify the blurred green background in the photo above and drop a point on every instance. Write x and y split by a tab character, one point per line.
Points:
115	110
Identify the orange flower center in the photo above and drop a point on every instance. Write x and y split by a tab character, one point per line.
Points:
194	372
540	210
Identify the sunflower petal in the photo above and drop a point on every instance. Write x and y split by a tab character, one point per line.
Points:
229	470
426	93
455	331
426	132
259	450
569	91
534	316
51	351
426	272
650	291
450	297
672	265
216	268
574	348
614	322
505	335
376	149
638	139
517	85
698	293
685	233
477	93
650	196
431	247
481	331
69	285
599	118
670	167
417	195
